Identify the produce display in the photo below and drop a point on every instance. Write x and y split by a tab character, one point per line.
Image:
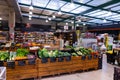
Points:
21	54
4	55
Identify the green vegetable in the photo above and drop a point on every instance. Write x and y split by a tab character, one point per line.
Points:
22	52
4	55
66	54
43	53
74	54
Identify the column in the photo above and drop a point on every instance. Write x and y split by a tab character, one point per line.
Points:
11	24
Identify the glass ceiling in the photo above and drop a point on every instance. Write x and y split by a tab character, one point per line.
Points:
86	8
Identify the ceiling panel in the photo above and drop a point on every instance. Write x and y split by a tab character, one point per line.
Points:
40	3
55	4
99	21
112	5
65	16
92	12
98	2
69	6
82	1
98	13
116	8
25	1
80	9
46	12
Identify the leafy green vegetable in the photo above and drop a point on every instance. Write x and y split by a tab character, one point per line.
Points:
4	55
22	52
43	53
74	54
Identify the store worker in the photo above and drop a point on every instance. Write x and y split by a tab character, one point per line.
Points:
110	55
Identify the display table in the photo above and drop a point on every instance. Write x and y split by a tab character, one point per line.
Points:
39	69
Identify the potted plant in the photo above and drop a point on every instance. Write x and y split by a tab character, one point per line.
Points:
43	54
67	56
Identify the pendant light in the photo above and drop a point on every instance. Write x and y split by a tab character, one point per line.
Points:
84	24
59	12
72	4
46	20
30	13
49	19
0	18
104	20
53	16
31	6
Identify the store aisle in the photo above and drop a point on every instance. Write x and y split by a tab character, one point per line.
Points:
104	74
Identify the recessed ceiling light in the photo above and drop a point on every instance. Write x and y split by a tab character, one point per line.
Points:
30	12
31	7
0	18
54	16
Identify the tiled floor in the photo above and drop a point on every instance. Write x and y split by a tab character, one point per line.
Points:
104	74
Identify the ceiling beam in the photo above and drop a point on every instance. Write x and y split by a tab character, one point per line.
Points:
21	4
41	14
101	7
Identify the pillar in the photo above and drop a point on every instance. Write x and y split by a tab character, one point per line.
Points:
11	23
74	23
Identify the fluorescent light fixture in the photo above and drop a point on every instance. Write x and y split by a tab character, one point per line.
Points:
59	12
54	16
49	19
84	24
31	7
30	18
30	13
104	20
46	20
66	23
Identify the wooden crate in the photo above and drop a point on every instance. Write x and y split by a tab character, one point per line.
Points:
21	72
